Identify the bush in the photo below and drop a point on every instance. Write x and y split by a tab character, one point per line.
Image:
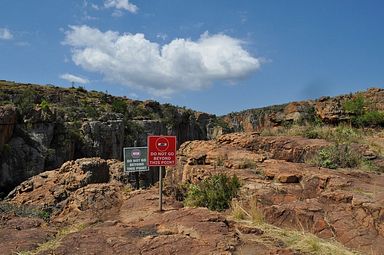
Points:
169	115
119	106
325	158
91	111
25	103
363	114
355	106
344	134
372	118
215	192
339	155
44	105
311	133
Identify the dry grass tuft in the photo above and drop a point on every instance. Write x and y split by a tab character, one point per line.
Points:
55	242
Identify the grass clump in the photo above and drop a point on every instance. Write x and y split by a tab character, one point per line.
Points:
247	163
215	192
56	241
300	241
247	210
238	211
26	210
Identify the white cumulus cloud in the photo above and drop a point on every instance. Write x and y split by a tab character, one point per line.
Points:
121	4
5	34
74	78
183	64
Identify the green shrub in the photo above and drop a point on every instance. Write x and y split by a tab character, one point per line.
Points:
220	122
371	166
215	192
91	111
311	117
44	105
169	115
25	103
311	133
344	134
119	106
371	118
355	106
339	155
325	158
363	113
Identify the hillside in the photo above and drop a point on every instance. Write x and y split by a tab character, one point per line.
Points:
363	108
297	179
41	127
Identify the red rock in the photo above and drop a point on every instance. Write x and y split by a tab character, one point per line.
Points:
289	178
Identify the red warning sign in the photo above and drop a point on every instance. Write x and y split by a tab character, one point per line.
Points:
161	151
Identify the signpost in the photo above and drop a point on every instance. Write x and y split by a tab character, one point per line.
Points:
135	159
161	152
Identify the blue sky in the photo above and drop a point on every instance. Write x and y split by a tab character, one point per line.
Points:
212	56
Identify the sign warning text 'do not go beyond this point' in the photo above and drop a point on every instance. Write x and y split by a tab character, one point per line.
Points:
161	150
135	159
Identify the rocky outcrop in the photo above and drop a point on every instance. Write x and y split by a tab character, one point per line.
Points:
41	127
343	204
81	193
327	109
39	145
51	188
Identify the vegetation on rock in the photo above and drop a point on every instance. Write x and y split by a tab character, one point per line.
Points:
364	113
215	192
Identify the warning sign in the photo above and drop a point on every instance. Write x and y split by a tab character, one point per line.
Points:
161	150
135	159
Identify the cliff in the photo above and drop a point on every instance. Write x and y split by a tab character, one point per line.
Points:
41	127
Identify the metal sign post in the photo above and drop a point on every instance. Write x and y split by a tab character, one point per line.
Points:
161	188
161	152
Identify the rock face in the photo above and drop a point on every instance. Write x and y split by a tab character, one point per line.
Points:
327	109
346	205
61	183
7	123
42	127
103	138
43	144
